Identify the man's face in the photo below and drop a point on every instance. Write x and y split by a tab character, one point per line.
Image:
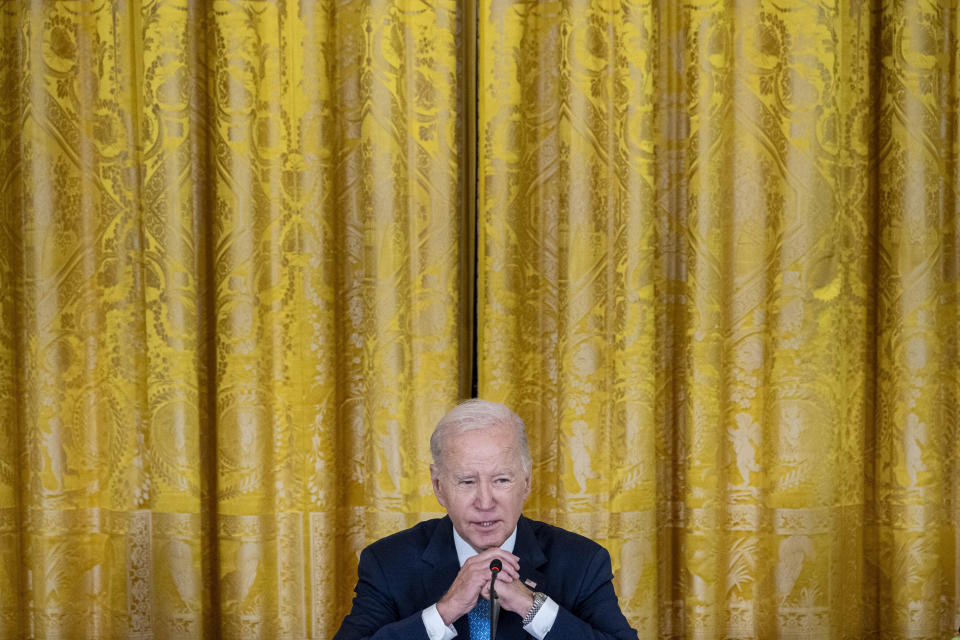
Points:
481	483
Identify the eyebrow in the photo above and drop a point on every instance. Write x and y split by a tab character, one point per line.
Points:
471	476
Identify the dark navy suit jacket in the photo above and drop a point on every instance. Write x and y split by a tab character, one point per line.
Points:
402	574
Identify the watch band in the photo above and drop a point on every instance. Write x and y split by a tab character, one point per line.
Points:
538	600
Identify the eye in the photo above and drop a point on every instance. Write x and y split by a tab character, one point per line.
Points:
465	483
502	481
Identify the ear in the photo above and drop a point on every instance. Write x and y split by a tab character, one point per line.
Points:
437	487
528	484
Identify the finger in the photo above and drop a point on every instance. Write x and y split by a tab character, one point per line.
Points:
480	583
509	571
474	577
481	569
497	552
476	570
507	556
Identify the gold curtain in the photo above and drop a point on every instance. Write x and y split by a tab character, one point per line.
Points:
719	271
718	274
230	256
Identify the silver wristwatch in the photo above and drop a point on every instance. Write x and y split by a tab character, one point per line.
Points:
538	600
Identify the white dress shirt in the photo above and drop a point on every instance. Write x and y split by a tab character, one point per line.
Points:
538	627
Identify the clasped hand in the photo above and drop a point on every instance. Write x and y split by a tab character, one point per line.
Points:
473	582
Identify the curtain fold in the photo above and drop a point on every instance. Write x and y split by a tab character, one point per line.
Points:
10	259
917	321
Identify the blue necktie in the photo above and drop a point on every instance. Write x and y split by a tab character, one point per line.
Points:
479	618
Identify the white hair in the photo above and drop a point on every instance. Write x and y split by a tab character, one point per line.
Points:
477	413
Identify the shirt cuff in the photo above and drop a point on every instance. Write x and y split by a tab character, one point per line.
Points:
542	622
436	630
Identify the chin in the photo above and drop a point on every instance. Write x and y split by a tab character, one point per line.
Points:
487	539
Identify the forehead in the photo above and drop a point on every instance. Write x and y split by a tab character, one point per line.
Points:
495	445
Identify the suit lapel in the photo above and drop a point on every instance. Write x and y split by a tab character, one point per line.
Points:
441	554
531	556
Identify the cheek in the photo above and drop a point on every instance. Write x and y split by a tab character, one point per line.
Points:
522	494
455	499
459	508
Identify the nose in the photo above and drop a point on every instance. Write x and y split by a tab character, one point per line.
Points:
484	500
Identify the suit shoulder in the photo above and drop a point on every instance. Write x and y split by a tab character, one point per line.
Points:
550	536
409	541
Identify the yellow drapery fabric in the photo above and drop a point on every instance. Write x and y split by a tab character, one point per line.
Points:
719	265
718	268
230	254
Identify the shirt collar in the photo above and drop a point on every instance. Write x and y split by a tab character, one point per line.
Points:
465	551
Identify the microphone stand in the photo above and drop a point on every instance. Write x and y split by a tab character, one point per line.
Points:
495	567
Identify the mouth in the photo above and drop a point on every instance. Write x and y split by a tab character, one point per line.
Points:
486	524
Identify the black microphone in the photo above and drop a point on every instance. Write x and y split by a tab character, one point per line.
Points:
495	567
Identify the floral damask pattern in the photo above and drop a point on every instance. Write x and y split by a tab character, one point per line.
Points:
10	615
917	320
718	271
230	253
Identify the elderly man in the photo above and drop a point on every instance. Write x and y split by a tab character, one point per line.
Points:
432	581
